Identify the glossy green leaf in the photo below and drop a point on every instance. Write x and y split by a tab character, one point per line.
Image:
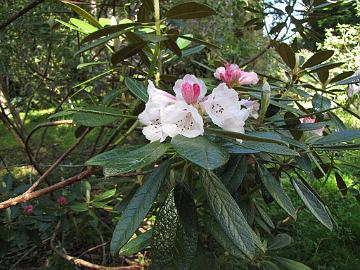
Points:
123	160
200	41
97	43
138	207
127	52
84	26
287	55
105	195
341	76
268	265
317	58
234	173
351	80
316	207
270	148
95	116
84	14
280	241
276	191
137	88
200	151
189	10
290	264
321	102
339	136
109	30
265	216
138	244
326	66
228	214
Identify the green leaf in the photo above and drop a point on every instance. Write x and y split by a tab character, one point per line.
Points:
137	88
109	30
234	173
326	66
96	116
105	195
127	52
287	55
138	207
217	232
200	151
276	191
200	41
139	243
123	160
351	80
84	14
339	136
280	241
270	148
265	217
182	42
315	206
175	232
317	58
97	43
256	137
267	265
79	207
290	264
228	214
189	10
321	102
341	184
341	76
84	26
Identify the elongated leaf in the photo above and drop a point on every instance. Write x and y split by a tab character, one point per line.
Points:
105	195
84	14
287	55
351	80
175	232
84	26
339	136
127	52
280	241
321	102
95	116
137	88
268	265
138	207
318	58
276	191
326	66
123	160
200	151
190	10
228	214
108	30
270	148
290	264
200	41
98	42
139	243
341	76
235	173
316	207
265	217
341	184
217	232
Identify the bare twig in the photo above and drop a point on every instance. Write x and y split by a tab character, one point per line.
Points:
81	262
26	9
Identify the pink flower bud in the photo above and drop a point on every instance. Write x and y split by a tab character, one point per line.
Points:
62	200
232	75
28	209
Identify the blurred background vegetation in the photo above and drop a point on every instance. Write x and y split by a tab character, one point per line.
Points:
38	72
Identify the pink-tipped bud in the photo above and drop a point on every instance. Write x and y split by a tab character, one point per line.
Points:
232	75
190	92
28	209
307	119
62	200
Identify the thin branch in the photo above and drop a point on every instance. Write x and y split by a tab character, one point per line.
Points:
256	56
58	161
20	13
36	194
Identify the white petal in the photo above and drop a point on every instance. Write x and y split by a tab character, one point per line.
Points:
181	118
221	104
218	72
154	133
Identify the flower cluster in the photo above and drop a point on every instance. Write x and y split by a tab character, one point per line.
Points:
167	115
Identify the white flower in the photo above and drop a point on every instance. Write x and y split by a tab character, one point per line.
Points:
224	109
150	117
252	106
182	118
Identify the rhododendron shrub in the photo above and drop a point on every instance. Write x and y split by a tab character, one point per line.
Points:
188	161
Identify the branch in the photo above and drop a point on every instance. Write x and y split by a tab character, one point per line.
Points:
256	56
20	13
81	262
35	194
58	161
